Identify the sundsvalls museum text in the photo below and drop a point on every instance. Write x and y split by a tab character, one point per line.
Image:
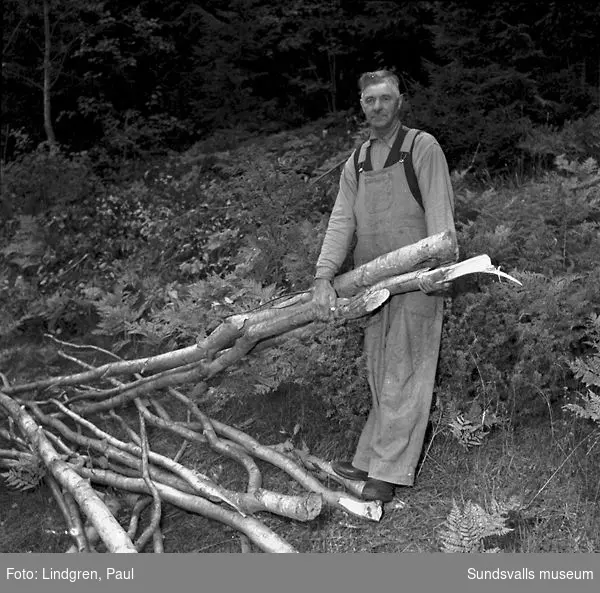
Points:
528	574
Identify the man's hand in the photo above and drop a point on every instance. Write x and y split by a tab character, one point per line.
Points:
324	297
429	286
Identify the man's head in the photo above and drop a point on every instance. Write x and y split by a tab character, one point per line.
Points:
380	99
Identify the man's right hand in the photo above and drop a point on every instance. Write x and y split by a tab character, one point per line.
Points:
324	297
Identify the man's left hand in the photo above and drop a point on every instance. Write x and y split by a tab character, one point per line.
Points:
429	286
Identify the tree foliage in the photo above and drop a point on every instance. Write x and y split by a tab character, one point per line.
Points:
132	78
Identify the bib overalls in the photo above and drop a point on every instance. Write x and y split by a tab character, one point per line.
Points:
402	339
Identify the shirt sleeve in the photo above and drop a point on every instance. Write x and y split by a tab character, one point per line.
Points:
433	176
341	227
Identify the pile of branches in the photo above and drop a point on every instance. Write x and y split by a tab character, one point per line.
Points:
51	435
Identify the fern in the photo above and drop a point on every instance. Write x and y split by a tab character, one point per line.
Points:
588	371
590	408
464	530
467	433
469	428
26	475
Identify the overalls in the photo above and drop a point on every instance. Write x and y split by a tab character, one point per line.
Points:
402	338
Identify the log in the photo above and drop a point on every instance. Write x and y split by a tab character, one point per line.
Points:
430	252
409	282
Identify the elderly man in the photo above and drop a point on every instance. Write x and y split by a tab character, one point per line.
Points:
395	193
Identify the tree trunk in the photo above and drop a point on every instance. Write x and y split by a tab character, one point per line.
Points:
48	127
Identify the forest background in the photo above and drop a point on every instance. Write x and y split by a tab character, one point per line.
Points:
164	165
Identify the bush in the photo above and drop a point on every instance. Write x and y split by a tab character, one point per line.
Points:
509	348
45	178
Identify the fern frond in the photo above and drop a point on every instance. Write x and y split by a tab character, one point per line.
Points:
464	530
590	408
26	475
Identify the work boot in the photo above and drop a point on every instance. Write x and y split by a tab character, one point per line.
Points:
348	471
378	490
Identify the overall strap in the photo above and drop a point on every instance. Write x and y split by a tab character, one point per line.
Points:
409	171
362	161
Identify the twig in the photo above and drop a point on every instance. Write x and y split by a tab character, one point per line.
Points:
18	455
157	540
5	381
130	391
156	504
73	266
138	507
246	548
83	346
436	431
128	430
76	530
558	469
59	497
330	170
57	441
254	475
13	438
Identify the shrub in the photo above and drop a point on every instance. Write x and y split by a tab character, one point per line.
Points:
510	348
47	177
587	369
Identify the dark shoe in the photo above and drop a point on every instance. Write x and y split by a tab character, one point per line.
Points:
378	490
347	470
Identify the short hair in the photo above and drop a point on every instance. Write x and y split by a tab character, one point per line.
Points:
369	78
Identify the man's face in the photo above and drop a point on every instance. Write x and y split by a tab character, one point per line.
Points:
380	105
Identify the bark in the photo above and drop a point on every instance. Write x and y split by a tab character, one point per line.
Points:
153	526
91	535
73	524
427	253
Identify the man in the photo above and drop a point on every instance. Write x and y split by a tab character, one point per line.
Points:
402	338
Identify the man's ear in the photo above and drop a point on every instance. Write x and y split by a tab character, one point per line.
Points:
362	106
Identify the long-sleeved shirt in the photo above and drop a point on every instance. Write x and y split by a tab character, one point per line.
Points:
433	176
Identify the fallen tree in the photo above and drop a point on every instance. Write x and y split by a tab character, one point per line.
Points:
58	434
